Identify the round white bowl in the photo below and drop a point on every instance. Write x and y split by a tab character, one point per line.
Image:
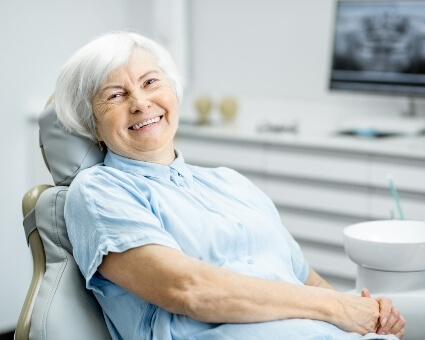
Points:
392	245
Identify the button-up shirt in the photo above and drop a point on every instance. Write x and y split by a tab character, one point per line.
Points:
214	215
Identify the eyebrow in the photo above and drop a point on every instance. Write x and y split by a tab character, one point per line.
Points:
148	73
118	86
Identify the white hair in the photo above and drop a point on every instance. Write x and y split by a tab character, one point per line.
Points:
84	73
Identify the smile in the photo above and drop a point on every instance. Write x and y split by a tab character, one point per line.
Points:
146	123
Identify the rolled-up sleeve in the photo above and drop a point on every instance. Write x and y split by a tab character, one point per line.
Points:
103	216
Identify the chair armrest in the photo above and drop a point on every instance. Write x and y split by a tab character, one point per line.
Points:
39	265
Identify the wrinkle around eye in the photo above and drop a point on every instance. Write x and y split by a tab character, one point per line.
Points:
102	106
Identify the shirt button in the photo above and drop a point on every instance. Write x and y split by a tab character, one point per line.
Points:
250	261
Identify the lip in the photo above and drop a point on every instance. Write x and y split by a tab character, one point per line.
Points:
145	120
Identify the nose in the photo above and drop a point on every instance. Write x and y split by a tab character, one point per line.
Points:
140	102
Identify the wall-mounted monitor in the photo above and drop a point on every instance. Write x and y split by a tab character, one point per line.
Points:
379	47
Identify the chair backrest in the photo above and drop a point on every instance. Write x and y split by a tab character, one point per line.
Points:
57	305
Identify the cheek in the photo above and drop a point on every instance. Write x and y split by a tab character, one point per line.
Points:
99	133
169	98
172	104
103	128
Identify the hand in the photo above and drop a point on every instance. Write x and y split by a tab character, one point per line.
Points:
359	315
390	319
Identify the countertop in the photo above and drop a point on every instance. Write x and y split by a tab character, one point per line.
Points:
406	146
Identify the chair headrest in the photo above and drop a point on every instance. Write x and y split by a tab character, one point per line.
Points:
65	153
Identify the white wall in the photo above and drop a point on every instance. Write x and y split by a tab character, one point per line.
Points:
274	51
36	38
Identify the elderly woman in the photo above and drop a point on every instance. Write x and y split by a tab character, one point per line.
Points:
174	251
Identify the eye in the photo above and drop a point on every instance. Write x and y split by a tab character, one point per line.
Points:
116	95
150	81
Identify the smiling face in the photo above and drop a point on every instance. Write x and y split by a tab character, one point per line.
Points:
136	111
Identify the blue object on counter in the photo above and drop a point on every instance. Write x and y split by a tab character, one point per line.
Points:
368	132
395	197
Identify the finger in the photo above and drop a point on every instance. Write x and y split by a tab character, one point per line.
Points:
390	323
398	326
401	333
386	309
365	293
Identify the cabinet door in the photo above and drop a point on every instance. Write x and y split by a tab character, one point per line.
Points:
382	205
408	174
323	197
214	152
318	164
409	178
317	227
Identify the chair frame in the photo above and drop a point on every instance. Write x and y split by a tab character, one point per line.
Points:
29	202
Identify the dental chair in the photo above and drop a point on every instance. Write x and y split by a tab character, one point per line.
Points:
57	305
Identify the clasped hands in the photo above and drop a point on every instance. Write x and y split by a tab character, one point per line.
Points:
390	319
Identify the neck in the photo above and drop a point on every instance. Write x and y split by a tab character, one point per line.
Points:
163	157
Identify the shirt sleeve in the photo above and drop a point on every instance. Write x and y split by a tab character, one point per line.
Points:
105	214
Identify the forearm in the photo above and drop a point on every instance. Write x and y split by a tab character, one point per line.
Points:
224	296
227	297
207	293
316	280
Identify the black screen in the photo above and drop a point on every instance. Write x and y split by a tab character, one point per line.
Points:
379	47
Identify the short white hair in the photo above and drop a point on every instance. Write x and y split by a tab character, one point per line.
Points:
84	73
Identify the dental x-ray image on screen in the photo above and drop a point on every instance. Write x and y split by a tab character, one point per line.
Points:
379	46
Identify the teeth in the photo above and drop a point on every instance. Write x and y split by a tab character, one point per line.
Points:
146	122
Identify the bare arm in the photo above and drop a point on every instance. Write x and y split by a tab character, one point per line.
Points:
183	285
316	280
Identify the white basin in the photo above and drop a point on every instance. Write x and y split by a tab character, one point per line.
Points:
392	245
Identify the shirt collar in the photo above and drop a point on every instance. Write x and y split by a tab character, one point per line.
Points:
181	167
148	169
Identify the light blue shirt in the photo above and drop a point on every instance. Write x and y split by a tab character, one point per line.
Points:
214	215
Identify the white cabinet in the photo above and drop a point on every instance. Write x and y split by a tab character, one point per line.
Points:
409	174
209	152
317	164
318	189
